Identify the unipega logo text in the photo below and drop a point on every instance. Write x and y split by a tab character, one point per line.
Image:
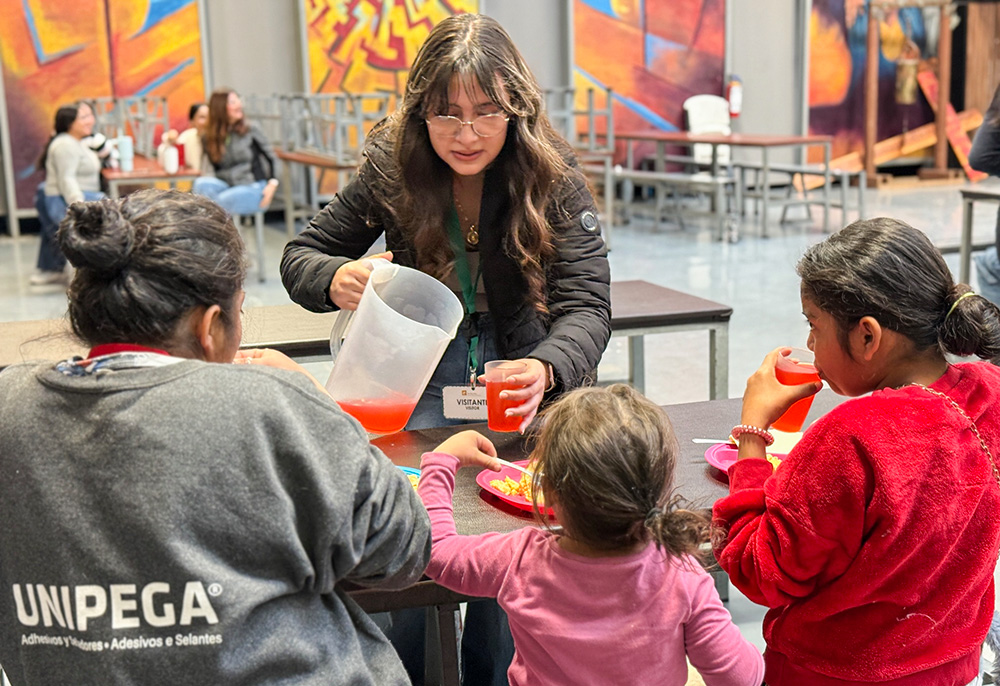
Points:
74	607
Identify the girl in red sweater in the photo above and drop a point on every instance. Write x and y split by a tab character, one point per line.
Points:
875	542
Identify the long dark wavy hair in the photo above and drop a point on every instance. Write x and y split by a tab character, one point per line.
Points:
531	163
218	128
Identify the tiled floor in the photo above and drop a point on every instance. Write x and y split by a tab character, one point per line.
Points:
755	276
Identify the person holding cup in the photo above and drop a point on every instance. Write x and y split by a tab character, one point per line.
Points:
874	544
470	183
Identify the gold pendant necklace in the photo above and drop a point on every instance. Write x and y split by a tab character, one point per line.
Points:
472	234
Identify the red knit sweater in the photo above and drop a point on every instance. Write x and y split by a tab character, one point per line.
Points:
875	542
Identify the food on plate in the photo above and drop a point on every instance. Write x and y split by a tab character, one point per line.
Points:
413	479
775	461
522	488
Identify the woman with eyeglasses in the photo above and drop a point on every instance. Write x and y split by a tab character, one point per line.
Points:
469	182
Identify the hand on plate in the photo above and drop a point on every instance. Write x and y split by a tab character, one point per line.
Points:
349	281
765	398
266	357
472	449
531	387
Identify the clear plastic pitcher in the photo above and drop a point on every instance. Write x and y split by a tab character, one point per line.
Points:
402	326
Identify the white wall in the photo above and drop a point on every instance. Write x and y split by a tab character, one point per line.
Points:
253	46
541	31
766	51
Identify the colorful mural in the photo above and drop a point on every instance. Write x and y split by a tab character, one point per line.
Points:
366	46
56	52
837	52
664	52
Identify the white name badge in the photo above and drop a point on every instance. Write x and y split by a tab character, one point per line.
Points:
463	402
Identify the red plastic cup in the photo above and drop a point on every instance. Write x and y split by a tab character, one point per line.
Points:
793	369
180	157
497	373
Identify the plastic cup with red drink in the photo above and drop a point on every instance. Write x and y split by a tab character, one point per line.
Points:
796	367
497	374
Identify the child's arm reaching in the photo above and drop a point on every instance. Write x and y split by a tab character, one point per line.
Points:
475	565
713	643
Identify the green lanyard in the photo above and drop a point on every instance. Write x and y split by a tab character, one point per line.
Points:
468	288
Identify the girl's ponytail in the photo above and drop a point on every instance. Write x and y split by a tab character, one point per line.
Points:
971	325
678	531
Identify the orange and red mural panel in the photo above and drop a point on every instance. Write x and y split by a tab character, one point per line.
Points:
56	52
837	54
653	54
367	46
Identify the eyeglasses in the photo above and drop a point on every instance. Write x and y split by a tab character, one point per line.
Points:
484	126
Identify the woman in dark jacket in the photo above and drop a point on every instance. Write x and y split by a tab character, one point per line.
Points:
469	172
985	157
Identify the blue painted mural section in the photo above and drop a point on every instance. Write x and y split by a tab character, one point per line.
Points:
649	115
159	10
160	80
43	57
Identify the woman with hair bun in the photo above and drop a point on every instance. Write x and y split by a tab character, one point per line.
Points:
174	509
874	543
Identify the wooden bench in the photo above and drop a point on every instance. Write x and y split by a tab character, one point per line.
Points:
638	308
698	182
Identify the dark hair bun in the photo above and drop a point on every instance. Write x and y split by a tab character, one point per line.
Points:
95	236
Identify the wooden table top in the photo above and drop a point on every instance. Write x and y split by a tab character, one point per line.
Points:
299	333
979	194
760	140
314	158
477	511
145	168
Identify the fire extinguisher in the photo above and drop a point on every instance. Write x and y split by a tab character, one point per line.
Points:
734	94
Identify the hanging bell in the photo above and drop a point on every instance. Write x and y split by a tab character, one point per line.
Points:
906	74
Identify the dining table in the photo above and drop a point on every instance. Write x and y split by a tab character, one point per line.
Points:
477	511
145	171
764	142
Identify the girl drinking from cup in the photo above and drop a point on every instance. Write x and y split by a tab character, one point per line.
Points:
874	543
617	595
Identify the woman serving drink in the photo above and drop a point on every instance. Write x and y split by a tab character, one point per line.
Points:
469	182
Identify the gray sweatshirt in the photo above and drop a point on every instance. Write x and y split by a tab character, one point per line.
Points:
235	165
192	523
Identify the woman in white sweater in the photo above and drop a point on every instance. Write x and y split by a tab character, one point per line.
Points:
72	174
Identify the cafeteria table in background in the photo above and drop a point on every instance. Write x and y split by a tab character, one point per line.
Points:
969	198
145	172
477	512
638	308
764	142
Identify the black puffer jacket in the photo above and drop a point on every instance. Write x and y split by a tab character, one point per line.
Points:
985	153
571	338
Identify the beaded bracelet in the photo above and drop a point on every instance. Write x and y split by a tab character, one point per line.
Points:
741	429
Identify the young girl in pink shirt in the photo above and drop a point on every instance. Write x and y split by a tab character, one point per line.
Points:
617	595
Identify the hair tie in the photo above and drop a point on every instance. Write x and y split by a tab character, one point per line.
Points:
653	514
958	300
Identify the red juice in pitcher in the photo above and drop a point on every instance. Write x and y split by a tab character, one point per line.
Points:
380	415
792	371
